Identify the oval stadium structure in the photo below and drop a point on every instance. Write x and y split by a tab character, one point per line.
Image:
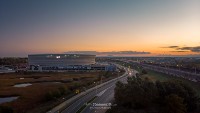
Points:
60	61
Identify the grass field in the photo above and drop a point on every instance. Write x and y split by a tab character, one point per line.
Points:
32	97
164	77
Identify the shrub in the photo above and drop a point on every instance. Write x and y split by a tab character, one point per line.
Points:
144	71
62	90
48	96
6	109
56	94
173	104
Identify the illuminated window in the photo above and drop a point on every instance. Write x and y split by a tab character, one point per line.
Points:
49	56
57	56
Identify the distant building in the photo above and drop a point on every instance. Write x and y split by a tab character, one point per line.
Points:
6	69
65	62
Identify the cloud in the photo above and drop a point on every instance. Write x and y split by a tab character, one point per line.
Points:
184	49
192	49
81	52
196	49
125	52
109	52
171	47
179	51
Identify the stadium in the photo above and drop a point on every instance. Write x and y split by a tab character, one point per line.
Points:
65	62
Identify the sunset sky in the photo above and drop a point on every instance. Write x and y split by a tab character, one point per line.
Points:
153	27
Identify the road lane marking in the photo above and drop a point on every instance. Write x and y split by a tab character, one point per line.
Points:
102	92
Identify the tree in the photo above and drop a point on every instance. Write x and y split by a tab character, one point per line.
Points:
144	71
143	94
182	90
137	94
6	109
173	104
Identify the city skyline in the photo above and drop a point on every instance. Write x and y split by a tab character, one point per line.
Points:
168	27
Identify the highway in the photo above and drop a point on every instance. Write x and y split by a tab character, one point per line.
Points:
179	73
103	101
104	96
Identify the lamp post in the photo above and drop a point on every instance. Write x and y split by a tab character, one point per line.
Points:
178	67
101	80
95	87
117	74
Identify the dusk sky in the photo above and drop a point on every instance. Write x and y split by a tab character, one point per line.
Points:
148	27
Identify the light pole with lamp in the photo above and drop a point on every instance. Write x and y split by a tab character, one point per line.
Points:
95	87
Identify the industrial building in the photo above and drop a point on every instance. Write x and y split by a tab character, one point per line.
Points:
65	62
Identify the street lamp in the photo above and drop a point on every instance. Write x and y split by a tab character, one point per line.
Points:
118	75
178	67
95	88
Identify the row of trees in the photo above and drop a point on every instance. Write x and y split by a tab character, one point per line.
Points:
13	61
160	97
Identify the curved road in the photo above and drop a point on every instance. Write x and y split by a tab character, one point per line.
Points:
104	96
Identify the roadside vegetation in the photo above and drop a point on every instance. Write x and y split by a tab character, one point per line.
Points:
142	95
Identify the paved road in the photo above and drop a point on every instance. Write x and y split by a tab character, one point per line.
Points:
103	101
105	95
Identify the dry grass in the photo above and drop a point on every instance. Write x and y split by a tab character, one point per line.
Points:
31	97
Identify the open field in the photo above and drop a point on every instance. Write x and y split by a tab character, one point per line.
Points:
32	96
164	77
